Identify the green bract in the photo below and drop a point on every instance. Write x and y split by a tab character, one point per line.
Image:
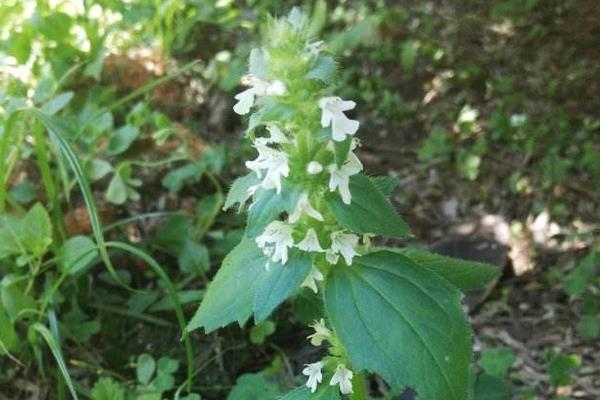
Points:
312	213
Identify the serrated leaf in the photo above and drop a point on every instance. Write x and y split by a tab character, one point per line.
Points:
268	205
230	296
385	184
403	322
369	211
279	282
465	275
238	193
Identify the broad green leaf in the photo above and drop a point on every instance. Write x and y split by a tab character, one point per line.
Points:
268	205
116	192
324	392
254	387
230	296
36	231
122	139
465	275
145	367
24	192
408	55
167	365
76	253
589	326
260	331
385	184
99	169
497	362
177	178
578	280
279	282
10	232
107	389
403	322
341	150
193	257
13	297
561	367
489	387
8	336
369	211
324	69
238	193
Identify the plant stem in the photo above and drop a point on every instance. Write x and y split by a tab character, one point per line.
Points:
359	387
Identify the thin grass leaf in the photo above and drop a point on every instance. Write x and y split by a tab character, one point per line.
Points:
67	152
55	349
4	167
172	294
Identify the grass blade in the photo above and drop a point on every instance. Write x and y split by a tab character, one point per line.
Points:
55	349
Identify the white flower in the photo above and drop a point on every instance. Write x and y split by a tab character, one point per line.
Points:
321	333
275	241
310	242
333	114
276	135
274	161
314	167
344	243
313	371
343	377
304	207
340	177
331	256
259	88
313	277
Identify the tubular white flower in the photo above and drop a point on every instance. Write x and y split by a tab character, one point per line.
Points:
321	333
344	243
259	88
315	376
314	167
333	114
276	135
275	162
304	207
311	280
340	177
343	377
332	257
275	241
310	242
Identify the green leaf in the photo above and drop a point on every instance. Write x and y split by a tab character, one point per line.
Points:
260	331
324	392
589	326
116	192
341	150
230	296
238	193
145	367
489	387
254	387
268	205
465	275
323	70
57	103
497	362
99	169
167	365
369	211
24	192
561	367
76	253
193	258
408	55
107	389
36	231
403	322
385	184
8	336
279	282
122	139
177	178
578	280
13	298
